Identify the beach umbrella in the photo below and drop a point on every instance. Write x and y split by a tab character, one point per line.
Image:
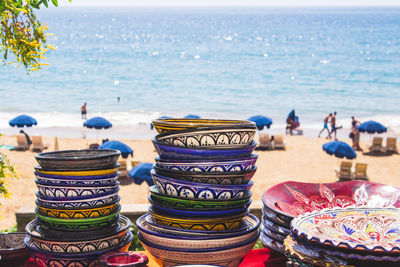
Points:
97	123
261	121
192	116
22	121
117	145
141	173
292	115
371	127
162	117
339	149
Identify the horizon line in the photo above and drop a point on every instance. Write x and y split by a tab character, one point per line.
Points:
232	6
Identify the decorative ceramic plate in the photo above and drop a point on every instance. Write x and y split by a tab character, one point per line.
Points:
293	198
275	227
271	243
360	228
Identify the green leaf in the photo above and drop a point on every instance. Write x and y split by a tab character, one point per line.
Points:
55	2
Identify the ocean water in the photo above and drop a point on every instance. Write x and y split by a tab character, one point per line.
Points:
220	62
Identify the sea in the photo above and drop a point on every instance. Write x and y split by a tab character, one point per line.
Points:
134	64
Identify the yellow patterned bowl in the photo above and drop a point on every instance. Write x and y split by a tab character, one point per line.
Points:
79	213
114	170
204	224
172	125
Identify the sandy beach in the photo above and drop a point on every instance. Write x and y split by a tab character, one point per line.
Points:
303	160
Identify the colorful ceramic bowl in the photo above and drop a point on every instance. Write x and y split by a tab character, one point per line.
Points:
275	227
179	124
191	190
45	259
124	259
242	177
209	137
204	153
82	174
110	180
13	251
222	256
247	222
276	217
79	213
78	203
272	243
173	240
197	205
271	234
197	213
85	159
78	224
45	243
63	191
205	224
201	165
291	199
358	228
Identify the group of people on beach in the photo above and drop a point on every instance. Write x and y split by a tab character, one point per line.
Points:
331	118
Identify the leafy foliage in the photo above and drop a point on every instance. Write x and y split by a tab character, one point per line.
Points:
21	33
12	229
6	171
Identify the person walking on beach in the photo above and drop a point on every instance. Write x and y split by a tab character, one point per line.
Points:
333	124
83	111
326	120
355	134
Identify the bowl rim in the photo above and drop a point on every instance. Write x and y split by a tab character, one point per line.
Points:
22	247
207	148
78	210
79	186
42	170
173	212
76	221
142	259
79	198
200	122
158	159
108	153
78	178
205	174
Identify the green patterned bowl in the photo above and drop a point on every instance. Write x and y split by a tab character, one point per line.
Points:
189	204
78	224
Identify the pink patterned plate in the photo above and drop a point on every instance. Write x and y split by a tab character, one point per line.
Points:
293	198
356	228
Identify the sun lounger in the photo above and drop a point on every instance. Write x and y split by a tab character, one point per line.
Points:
360	171
37	144
391	145
94	146
278	142
123	169
22	144
264	142
344	172
376	145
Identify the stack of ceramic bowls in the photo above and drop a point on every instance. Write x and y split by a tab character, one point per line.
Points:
199	204
77	209
352	236
288	200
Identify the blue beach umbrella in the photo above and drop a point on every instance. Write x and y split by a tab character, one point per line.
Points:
292	115
192	116
339	149
261	121
97	123
162	117
141	173
22	121
371	127
117	145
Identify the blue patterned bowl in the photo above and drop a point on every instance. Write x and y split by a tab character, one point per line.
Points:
64	191
190	213
200	165
230	255
78	202
184	189
213	137
242	177
176	152
78	182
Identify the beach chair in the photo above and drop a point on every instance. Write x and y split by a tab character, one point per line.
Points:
37	144
376	145
344	172
278	142
22	144
94	146
360	171
123	169
391	145
264	142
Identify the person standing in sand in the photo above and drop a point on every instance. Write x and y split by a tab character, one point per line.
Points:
83	111
326	120
333	124
355	134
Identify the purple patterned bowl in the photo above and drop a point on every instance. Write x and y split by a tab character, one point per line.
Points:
175	240
200	165
85	159
78	202
13	251
77	182
175	152
198	213
230	255
67	191
191	190
242	177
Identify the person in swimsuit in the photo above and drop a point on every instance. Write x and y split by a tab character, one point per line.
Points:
326	126
83	111
333	124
